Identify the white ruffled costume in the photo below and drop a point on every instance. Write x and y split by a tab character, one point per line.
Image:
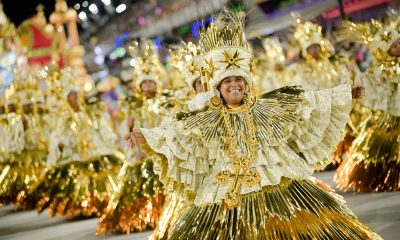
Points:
195	163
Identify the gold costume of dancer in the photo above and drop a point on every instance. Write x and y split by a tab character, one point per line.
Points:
137	201
13	135
374	164
244	166
82	164
23	168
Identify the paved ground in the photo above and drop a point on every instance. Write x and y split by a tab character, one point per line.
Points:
381	211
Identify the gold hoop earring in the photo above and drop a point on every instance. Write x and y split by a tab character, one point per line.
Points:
216	101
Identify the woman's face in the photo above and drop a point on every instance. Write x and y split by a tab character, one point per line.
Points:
148	88
314	50
197	86
28	108
394	50
232	89
12	107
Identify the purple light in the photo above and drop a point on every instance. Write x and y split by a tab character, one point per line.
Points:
158	11
141	20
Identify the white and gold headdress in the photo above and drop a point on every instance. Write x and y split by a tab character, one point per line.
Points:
188	60
60	82
147	62
23	90
309	33
225	50
378	37
273	51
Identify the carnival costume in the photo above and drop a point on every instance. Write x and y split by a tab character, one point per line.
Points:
375	157
137	201
316	74
82	164
245	170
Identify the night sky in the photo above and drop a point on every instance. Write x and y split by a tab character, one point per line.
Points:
19	10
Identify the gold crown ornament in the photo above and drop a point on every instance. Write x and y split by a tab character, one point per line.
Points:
7	29
225	50
23	90
108	84
147	62
274	53
378	37
187	59
60	82
307	34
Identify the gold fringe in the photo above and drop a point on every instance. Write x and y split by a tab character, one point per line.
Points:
374	165
296	209
136	204
173	207
18	172
77	188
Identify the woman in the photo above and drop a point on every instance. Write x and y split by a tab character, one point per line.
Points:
137	200
375	158
243	163
82	163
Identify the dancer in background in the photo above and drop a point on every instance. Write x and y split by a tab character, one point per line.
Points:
137	201
375	157
316	70
187	61
271	69
82	163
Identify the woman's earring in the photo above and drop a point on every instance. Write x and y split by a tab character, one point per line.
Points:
216	101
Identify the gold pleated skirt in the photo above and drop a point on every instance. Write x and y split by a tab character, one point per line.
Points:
172	209
75	189
18	172
174	206
137	202
294	209
374	165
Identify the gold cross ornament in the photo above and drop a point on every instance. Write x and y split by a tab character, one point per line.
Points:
237	179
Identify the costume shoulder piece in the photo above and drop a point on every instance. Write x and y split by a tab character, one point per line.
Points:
274	114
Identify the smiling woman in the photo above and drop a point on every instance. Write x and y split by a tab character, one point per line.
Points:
232	89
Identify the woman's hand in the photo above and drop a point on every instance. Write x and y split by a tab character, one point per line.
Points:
357	92
134	138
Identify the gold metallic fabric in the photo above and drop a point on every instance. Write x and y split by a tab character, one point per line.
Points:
137	202
294	209
374	165
75	188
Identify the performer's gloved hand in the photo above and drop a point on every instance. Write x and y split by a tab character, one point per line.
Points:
357	92
134	138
